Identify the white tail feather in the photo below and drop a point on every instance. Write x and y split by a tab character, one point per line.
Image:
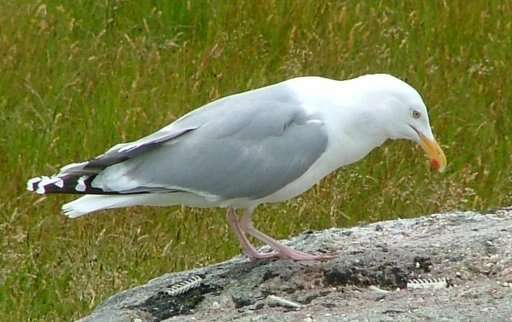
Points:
91	203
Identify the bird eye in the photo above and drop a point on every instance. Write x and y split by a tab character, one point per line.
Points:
416	114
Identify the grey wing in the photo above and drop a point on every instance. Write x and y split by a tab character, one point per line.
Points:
175	130
247	146
80	177
125	151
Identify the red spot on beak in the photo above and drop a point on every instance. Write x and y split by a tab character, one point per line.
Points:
435	164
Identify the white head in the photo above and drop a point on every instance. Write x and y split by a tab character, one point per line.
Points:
400	111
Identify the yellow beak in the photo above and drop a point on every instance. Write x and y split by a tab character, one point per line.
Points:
434	153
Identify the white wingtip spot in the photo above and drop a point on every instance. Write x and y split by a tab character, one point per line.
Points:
45	181
59	183
40	187
31	182
80	185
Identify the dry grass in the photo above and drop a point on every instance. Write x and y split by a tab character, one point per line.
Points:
79	76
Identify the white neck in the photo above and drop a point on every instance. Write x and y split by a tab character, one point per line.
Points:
343	105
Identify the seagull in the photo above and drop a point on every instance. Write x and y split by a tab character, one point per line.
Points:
260	146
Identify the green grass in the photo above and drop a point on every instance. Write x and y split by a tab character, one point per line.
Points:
79	76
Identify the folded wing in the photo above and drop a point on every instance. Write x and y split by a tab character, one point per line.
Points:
243	146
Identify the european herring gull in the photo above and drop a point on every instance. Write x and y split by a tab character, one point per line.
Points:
265	145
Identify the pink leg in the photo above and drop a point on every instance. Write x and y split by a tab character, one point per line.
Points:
283	251
248	249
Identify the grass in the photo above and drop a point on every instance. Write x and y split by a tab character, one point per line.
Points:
77	77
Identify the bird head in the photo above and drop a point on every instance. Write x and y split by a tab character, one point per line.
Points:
405	115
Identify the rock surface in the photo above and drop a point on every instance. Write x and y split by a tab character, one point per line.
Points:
371	279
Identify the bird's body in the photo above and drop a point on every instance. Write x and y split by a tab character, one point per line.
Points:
265	145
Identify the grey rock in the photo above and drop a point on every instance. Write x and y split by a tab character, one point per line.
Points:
473	251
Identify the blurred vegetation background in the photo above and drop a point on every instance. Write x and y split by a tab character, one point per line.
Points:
77	77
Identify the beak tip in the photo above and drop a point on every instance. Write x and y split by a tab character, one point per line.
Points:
437	165
434	153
